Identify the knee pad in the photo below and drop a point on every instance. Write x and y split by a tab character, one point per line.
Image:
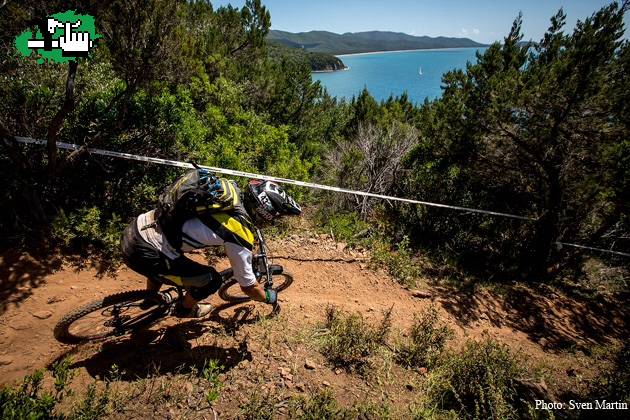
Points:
213	283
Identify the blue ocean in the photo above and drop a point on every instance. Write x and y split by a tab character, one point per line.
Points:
392	73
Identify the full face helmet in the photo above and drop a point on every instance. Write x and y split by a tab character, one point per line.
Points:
266	201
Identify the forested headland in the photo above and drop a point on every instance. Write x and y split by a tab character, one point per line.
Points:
318	61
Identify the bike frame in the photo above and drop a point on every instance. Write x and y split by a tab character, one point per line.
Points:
260	265
262	259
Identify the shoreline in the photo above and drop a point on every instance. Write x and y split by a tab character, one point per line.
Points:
330	71
399	51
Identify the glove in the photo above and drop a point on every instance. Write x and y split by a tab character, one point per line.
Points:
272	296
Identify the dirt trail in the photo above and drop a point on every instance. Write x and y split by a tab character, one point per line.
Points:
322	277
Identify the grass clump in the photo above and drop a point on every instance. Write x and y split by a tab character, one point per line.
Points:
426	342
323	405
257	406
477	382
315	406
349	341
94	405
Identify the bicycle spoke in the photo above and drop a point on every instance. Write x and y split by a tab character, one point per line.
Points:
113	320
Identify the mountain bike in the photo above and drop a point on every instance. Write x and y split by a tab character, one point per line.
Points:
122	313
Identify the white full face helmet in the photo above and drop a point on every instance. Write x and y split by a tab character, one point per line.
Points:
267	200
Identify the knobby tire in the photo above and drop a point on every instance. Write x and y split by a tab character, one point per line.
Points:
62	329
224	292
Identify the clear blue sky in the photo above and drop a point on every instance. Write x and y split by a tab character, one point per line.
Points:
481	20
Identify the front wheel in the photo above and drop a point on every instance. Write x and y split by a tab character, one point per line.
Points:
113	315
230	291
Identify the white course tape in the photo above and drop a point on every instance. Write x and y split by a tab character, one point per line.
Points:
233	172
70	146
590	248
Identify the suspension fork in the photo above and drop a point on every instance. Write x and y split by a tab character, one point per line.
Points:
265	260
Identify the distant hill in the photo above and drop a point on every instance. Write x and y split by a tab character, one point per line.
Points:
358	42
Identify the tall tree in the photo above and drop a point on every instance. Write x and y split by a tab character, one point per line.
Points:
530	128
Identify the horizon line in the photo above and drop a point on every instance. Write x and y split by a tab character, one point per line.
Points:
376	30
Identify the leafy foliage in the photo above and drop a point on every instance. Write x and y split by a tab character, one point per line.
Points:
526	131
398	262
614	383
345	226
538	130
210	372
426	342
88	226
25	400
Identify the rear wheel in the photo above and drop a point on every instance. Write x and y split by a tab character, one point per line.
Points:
113	315
231	291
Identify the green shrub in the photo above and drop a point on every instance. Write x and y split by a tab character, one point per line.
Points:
30	401
478	382
614	383
349	341
89	226
426	342
399	263
347	227
210	372
27	400
369	411
63	376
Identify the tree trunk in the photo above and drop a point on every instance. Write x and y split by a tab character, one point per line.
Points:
55	125
546	233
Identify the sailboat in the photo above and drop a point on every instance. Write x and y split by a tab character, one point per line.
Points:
420	71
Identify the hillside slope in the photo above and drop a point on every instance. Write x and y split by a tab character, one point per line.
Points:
359	42
278	359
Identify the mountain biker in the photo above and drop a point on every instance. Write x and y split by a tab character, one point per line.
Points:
146	247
